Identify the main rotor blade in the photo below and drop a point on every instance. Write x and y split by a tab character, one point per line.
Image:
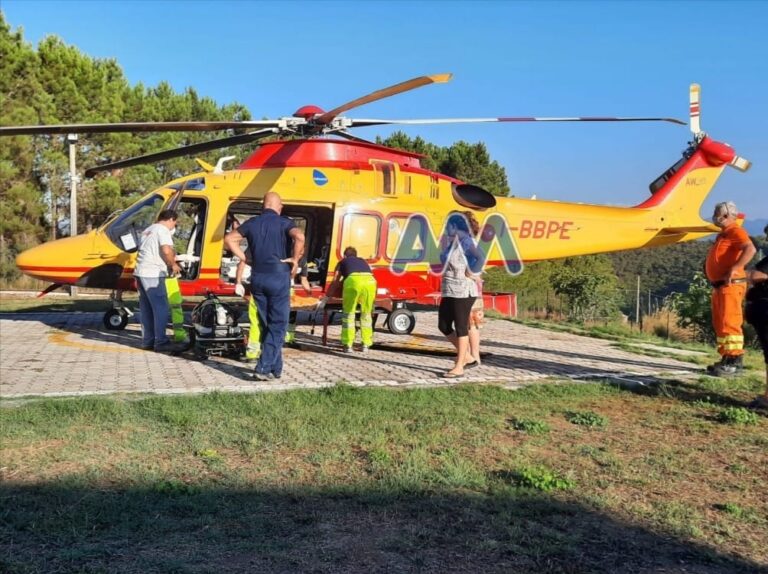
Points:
135	127
182	151
371	122
412	84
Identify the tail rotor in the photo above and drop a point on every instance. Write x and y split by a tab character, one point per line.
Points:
736	161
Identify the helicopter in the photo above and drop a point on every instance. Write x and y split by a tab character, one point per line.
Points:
343	190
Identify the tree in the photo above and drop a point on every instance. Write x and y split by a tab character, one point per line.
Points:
58	84
694	309
589	285
468	162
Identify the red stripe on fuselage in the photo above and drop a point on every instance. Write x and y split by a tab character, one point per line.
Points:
50	268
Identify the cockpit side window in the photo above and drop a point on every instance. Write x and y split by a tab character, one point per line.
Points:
126	229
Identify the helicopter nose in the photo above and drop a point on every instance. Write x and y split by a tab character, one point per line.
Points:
59	261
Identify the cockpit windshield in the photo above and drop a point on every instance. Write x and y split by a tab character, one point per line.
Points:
127	227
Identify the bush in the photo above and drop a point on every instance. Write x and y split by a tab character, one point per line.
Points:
530	426
586	419
737	416
543	478
694	309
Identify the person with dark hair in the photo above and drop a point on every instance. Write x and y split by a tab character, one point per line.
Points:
270	236
358	288
459	257
156	261
756	313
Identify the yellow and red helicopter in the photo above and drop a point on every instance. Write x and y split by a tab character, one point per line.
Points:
344	191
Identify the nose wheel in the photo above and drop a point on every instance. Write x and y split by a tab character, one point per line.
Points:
116	319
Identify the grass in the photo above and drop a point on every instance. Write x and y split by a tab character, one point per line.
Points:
460	479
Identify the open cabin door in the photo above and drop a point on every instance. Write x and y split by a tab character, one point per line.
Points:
316	221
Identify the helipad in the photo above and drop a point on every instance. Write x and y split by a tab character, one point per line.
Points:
57	354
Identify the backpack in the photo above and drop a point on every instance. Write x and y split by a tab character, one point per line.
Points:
213	319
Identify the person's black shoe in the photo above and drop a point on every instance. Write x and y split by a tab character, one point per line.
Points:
170	348
711	368
728	367
148	347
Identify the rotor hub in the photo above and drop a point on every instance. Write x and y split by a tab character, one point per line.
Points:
308	112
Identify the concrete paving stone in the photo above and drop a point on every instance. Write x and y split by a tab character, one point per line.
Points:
61	354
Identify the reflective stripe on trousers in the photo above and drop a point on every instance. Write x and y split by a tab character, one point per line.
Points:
728	317
358	289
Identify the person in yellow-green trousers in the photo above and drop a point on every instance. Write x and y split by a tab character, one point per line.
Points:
358	288
177	313
253	348
301	279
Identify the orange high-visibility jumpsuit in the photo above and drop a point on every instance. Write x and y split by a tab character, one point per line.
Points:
727	300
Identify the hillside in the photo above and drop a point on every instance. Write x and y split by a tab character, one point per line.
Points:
663	270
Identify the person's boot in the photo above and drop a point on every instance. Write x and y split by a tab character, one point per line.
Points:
727	368
738	362
711	368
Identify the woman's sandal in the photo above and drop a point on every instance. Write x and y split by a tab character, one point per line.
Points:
452	375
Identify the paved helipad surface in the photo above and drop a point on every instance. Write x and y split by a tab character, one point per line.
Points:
57	354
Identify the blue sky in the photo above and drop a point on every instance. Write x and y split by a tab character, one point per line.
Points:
508	59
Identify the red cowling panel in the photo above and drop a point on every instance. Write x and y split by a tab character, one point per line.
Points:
316	153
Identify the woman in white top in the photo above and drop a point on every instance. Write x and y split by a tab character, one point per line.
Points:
458	288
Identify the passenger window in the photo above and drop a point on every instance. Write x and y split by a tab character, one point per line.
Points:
361	231
384	173
395	227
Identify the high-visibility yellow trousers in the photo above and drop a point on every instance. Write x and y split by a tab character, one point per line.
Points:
253	350
358	289
728	317
177	313
290	333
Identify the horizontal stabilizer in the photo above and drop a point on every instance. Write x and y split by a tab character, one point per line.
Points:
690	229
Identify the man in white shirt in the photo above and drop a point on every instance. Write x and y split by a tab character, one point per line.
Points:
156	258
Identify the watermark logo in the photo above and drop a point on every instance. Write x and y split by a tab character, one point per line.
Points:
418	244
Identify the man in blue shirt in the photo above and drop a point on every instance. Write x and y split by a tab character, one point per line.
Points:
269	237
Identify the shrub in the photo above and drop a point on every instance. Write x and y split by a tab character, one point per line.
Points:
737	416
530	426
586	419
543	478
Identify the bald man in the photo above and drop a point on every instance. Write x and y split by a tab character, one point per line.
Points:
271	238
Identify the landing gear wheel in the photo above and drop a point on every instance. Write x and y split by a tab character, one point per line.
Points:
401	322
115	319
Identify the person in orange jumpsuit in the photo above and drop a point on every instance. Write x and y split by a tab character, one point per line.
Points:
725	264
